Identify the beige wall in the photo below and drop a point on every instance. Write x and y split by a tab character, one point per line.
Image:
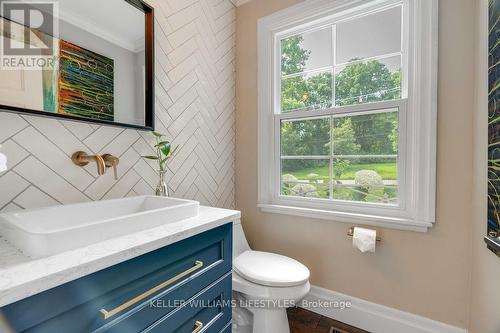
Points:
426	274
485	307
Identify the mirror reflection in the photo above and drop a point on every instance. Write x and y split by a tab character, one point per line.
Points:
76	59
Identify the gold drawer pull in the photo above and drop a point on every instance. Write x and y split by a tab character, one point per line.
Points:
197	265
199	326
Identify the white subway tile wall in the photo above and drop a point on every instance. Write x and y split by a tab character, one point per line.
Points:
195	84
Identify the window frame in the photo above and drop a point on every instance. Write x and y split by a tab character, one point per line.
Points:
417	148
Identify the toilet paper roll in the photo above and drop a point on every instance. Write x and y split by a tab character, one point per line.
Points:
364	240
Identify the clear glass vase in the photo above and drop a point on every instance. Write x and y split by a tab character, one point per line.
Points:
161	188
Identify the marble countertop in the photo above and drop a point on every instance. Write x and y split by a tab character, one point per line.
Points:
21	276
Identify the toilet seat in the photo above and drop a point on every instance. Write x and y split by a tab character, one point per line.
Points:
256	291
269	269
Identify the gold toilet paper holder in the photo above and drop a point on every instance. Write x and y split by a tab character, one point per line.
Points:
350	233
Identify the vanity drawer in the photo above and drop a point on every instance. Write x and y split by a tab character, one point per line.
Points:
227	328
176	272
207	312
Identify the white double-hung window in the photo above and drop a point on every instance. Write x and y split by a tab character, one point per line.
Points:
347	111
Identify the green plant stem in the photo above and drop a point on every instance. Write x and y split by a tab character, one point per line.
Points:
158	153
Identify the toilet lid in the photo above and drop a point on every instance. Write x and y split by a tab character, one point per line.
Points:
270	269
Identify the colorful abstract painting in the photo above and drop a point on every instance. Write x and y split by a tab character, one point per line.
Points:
44	97
494	118
86	83
80	84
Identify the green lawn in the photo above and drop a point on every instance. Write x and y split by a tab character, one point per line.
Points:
386	170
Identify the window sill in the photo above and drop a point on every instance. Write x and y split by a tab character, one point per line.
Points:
343	217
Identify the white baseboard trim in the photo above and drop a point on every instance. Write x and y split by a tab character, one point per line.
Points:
372	317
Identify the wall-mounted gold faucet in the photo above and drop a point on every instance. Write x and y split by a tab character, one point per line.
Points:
103	162
111	162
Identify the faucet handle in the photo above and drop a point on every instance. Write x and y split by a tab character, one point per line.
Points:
81	158
111	162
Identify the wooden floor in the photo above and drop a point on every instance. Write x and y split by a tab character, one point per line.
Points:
303	321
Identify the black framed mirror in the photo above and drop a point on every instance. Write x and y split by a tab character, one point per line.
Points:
90	61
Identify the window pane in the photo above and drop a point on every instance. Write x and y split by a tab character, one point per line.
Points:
365	166
366	82
366	134
305	178
306	92
310	137
365	179
369	36
306	52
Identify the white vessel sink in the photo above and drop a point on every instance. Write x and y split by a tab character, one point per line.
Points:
47	231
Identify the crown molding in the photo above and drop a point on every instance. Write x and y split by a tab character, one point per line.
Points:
239	3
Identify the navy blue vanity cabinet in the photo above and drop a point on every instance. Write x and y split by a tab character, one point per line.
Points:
227	328
208	311
177	288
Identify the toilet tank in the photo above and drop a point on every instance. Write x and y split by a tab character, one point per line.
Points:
240	243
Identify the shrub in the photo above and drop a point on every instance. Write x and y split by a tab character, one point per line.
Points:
367	181
339	167
305	190
313	177
288	181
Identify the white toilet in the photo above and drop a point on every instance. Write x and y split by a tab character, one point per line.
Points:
264	284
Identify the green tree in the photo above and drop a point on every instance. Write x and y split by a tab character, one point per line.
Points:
344	138
300	138
339	167
293	94
293	60
394	136
365	82
319	91
302	92
372	132
293	56
356	83
305	137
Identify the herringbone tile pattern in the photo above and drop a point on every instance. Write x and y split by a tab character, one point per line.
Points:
194	107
